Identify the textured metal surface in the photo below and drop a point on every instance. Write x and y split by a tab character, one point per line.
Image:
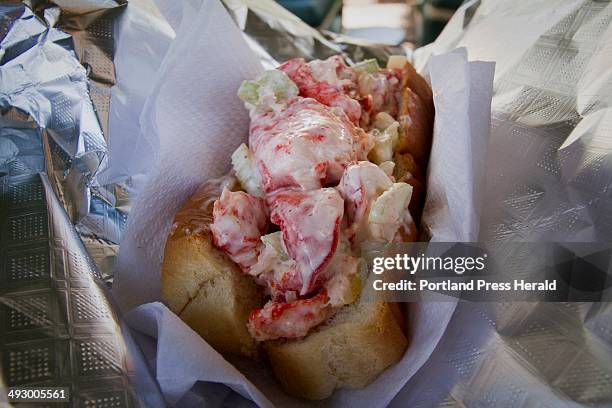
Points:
561	191
56	75
502	354
57	325
550	171
276	35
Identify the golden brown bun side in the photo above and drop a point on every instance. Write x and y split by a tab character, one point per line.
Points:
398	314
205	288
349	351
209	293
407	170
413	80
406	167
416	116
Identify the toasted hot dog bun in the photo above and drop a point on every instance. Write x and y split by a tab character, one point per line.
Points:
408	171
210	293
204	287
416	116
349	351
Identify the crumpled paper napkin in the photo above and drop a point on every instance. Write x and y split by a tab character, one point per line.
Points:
194	113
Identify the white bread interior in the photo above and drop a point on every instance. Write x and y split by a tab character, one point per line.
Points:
209	293
202	285
348	351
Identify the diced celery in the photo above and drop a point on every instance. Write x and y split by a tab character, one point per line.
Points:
248	92
274	241
368	66
383	120
344	289
393	131
280	83
246	171
383	148
384	143
388	211
396	61
387	167
270	88
367	84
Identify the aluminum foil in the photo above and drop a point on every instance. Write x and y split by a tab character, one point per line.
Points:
58	326
57	68
55	75
57	322
548	179
277	35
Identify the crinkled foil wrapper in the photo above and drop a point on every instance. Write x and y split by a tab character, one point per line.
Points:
548	180
57	322
57	325
277	35
57	72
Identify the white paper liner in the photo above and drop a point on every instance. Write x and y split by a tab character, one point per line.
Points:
195	114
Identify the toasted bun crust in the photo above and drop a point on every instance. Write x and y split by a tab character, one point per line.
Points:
204	287
349	351
208	291
407	170
416	116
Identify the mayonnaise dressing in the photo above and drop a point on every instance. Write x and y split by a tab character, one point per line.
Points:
305	145
361	183
304	138
310	226
330	82
239	219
